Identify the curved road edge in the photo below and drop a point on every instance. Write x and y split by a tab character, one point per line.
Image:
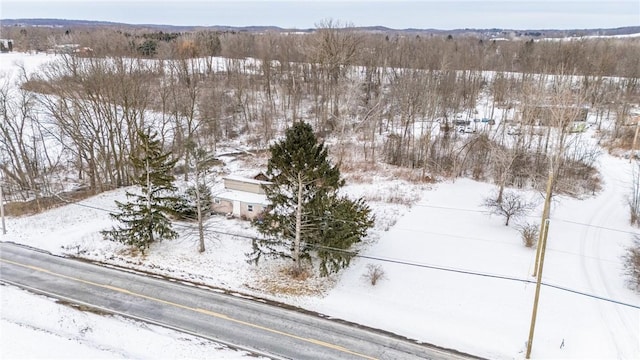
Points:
103	310
384	340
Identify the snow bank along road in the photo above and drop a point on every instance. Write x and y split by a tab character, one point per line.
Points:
246	324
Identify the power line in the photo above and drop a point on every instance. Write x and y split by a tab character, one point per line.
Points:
511	243
186	226
448	269
476	273
597	226
176	223
80	204
551	249
590	295
454	236
427	206
191	227
552	218
450	208
402	262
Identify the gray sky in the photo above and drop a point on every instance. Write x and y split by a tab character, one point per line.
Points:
439	14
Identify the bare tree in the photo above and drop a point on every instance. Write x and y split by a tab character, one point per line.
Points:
98	104
186	91
512	206
24	157
333	48
502	159
202	200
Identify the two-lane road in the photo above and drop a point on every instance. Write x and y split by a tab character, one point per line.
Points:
247	324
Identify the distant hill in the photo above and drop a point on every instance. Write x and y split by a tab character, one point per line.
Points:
493	32
66	23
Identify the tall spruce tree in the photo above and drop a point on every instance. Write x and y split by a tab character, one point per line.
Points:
343	222
143	219
306	215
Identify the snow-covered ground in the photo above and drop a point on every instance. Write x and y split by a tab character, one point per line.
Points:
441	225
33	326
490	317
447	228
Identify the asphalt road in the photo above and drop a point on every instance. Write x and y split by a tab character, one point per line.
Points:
247	324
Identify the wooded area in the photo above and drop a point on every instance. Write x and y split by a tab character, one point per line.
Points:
372	97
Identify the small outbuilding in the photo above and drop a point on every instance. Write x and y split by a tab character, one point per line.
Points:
6	45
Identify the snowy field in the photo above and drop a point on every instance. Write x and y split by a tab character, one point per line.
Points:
447	228
490	317
453	293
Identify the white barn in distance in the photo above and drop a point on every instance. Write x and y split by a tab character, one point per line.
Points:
6	45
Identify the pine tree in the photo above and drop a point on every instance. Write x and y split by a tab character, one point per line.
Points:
143	219
343	223
305	214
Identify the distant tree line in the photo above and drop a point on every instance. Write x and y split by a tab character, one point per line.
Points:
376	95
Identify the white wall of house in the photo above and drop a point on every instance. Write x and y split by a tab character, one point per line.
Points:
242	197
222	206
236	208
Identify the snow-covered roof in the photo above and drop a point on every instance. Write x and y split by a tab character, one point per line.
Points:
243	196
246	180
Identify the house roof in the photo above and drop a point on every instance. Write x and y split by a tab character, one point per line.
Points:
243	196
246	180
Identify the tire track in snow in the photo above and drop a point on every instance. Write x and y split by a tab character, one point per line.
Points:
593	241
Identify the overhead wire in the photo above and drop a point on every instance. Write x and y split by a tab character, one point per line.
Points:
450	208
192	227
596	226
444	208
477	273
400	261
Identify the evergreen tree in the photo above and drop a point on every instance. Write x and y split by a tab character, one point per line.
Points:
343	223
199	196
143	218
148	48
185	207
305	213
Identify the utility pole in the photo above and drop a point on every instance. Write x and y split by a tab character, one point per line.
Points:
4	229
538	285
542	246
545	216
635	139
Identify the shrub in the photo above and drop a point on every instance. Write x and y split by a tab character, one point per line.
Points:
529	234
634	216
632	264
374	273
31	207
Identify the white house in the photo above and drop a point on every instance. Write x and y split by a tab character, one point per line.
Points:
242	197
